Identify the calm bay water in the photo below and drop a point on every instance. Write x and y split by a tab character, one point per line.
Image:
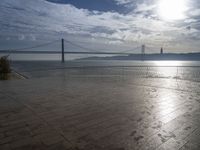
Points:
183	70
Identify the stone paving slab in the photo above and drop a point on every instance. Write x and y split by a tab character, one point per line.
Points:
97	113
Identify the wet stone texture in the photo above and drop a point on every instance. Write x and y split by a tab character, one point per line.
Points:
99	113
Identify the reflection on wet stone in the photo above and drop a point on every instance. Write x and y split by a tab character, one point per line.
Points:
79	113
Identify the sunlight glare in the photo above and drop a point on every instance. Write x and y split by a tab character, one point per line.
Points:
171	10
168	63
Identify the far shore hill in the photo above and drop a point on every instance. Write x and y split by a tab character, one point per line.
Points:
151	57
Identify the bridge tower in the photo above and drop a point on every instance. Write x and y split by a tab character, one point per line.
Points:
143	52
161	50
143	49
63	50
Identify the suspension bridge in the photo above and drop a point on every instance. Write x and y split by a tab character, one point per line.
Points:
30	50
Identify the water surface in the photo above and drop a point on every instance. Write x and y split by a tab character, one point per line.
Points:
183	70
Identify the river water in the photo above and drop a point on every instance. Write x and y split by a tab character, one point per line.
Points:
182	70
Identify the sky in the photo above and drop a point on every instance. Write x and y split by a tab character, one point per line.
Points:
102	25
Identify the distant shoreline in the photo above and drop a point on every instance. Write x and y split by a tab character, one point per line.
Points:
151	57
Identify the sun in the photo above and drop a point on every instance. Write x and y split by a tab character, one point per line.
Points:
171	10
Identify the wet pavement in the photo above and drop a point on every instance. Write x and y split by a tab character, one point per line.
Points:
99	113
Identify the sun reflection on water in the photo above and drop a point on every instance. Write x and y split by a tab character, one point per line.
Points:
168	63
166	69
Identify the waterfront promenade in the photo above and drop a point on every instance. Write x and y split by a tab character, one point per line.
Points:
99	113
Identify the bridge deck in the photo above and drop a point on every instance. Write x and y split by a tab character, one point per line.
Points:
97	113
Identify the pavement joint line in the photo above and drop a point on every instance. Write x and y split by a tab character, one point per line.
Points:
20	74
47	123
188	136
181	90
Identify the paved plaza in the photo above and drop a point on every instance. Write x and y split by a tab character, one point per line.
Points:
99	113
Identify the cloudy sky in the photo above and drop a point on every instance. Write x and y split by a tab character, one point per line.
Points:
115	25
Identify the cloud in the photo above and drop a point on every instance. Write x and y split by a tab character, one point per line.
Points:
145	7
21	37
123	2
40	19
194	12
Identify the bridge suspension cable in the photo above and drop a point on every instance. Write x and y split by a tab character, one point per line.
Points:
79	46
29	48
93	50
